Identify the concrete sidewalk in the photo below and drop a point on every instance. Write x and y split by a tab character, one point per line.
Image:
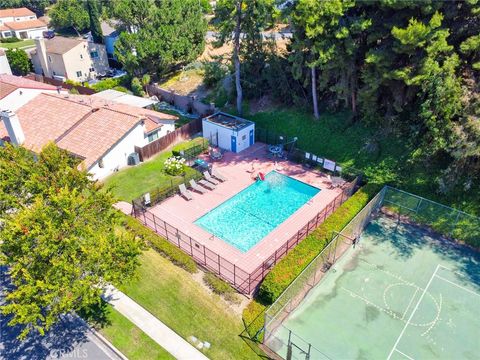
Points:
150	325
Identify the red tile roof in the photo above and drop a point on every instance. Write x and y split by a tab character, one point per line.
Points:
23	25
74	124
9	83
23	11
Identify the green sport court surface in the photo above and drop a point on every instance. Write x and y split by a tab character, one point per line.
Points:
400	294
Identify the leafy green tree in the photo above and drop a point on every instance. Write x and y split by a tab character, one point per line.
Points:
94	18
245	19
69	13
59	237
37	6
160	36
145	82
137	87
19	61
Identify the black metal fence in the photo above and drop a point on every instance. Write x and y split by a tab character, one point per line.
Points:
242	280
294	154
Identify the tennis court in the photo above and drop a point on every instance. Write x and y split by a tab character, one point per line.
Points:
401	293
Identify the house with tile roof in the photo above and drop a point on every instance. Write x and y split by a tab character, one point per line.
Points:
102	134
16	91
65	58
21	23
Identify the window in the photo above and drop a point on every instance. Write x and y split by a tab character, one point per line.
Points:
49	58
244	137
92	69
54	73
153	136
81	56
100	164
94	54
79	74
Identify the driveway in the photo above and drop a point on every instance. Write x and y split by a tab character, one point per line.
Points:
71	338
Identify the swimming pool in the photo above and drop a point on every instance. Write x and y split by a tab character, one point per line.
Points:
249	216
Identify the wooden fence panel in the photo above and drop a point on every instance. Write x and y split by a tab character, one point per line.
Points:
182	133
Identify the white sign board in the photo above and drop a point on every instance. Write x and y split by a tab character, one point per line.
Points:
329	165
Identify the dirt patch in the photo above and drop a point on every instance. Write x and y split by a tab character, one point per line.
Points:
237	308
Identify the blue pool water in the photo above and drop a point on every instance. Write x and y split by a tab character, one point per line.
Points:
249	216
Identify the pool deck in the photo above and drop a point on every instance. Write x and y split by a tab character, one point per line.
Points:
237	168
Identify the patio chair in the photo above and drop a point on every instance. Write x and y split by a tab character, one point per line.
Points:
197	188
217	175
206	184
209	178
184	192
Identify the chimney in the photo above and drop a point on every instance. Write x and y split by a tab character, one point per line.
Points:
42	56
14	129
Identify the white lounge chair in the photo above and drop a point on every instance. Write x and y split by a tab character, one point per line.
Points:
197	188
185	193
206	184
209	178
217	175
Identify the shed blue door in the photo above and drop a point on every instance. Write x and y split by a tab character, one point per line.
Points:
251	137
234	144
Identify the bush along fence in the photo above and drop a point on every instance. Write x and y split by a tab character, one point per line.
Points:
245	282
293	153
82	90
180	134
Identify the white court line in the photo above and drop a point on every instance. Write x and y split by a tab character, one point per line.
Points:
459	286
413	312
410	303
408	357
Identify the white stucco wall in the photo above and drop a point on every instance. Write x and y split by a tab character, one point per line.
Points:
117	157
225	135
243	138
20	97
4	65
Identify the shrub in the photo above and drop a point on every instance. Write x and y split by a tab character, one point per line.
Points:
214	73
174	165
9	40
121	88
253	318
220	287
111	83
161	245
217	285
294	262
137	87
198	145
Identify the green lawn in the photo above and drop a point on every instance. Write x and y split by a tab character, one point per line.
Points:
384	159
171	294
130	340
132	182
18	44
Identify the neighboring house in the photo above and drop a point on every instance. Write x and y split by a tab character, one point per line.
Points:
67	58
102	134
16	91
167	121
21	23
4	65
110	36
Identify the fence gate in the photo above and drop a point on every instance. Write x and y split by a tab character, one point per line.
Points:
295	351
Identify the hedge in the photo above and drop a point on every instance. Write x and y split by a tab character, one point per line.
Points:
161	245
253	318
294	262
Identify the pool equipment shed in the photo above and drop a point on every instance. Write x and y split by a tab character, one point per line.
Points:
229	132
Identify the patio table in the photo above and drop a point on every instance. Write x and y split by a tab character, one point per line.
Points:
275	150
